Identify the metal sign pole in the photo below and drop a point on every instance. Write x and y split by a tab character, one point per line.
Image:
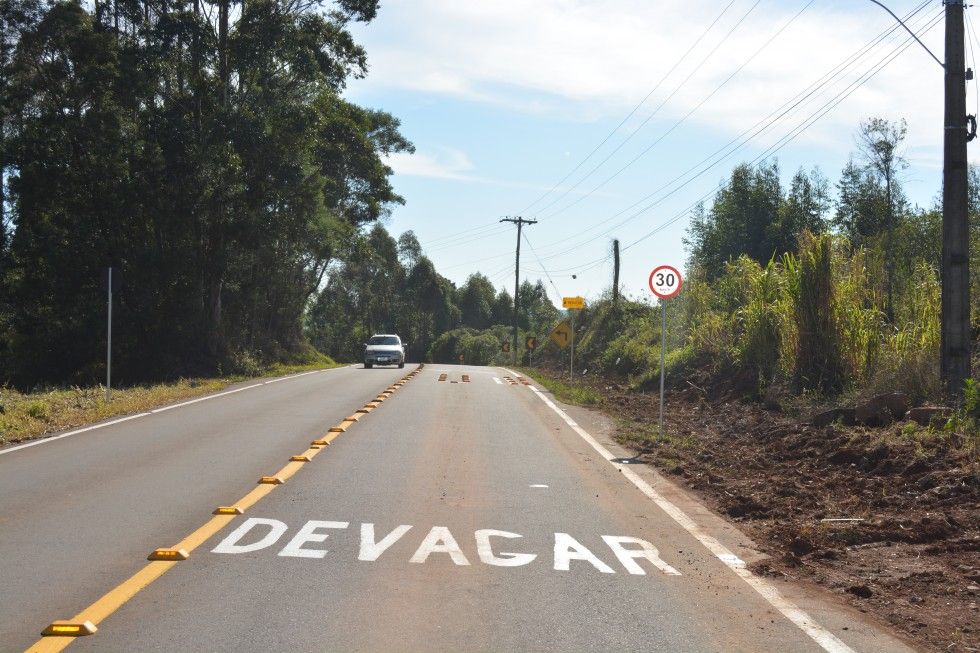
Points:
571	353
108	349
663	361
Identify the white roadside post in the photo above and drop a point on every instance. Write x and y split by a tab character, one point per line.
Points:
108	347
665	282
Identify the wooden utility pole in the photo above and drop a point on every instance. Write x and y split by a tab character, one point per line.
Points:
616	273
520	222
955	317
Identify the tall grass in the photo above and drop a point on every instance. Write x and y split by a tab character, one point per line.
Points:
812	321
819	357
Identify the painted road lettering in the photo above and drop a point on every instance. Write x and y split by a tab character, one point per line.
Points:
257	533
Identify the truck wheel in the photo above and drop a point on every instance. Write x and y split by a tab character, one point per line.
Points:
401	365
368	366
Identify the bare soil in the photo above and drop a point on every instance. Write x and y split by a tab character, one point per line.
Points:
888	518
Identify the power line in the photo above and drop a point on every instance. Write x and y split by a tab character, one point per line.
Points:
760	128
973	60
656	111
690	113
663	79
440	242
802	127
785	140
543	269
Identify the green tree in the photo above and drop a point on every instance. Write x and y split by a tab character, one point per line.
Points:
878	142
475	299
744	218
202	149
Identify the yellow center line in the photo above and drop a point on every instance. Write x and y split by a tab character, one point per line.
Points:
254	496
210	527
119	595
116	597
288	471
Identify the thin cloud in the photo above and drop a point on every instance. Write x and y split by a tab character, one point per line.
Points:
578	59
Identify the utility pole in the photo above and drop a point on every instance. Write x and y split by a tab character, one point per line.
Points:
520	222
616	273
955	316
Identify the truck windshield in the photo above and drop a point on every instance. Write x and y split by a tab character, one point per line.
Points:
383	340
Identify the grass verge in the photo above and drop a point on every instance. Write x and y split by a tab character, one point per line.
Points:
570	394
25	416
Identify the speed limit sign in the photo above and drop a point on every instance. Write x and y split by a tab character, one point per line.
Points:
665	281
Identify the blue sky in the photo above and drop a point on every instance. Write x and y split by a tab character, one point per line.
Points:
503	99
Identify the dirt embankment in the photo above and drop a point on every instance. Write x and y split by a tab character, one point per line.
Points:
887	517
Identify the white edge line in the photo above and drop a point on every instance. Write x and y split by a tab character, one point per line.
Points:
52	438
826	639
75	432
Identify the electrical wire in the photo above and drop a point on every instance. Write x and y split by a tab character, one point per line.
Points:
785	140
684	119
663	79
495	227
739	142
656	111
802	127
973	61
543	269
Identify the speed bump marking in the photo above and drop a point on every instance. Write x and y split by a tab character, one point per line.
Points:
69	629
168	555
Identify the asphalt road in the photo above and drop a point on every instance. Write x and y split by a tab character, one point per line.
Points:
454	516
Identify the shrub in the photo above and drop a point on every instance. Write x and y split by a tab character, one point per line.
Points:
37	409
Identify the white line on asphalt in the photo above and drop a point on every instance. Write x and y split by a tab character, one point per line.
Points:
34	443
65	435
827	640
194	401
538	485
497	381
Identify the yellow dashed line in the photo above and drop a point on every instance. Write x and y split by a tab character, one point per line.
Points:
119	595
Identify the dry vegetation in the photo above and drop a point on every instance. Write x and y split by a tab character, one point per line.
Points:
24	416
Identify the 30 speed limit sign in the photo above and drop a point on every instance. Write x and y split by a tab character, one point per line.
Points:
665	281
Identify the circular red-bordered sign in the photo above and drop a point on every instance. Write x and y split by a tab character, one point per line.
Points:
665	281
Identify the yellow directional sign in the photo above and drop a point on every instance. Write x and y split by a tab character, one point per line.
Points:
531	343
562	335
506	346
573	302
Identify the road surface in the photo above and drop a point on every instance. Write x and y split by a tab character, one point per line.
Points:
459	513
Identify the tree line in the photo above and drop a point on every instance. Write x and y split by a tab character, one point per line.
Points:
203	149
384	285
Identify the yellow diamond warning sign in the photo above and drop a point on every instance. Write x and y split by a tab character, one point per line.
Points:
562	335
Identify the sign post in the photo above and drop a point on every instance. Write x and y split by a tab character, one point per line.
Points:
530	344
572	304
112	283
665	282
